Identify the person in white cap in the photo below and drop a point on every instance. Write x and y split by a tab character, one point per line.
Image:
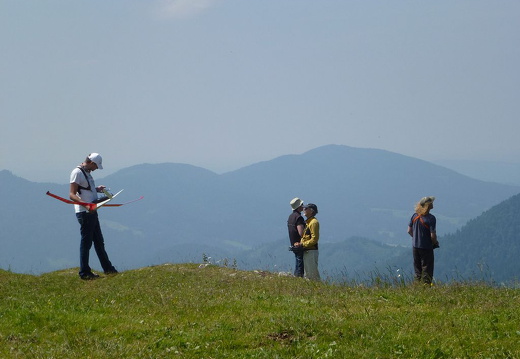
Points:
295	225
423	230
83	189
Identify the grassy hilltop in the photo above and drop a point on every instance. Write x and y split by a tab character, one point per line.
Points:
192	311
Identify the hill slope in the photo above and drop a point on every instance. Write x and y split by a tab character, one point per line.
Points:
193	311
487	247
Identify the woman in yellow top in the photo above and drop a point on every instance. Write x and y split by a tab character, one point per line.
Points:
309	241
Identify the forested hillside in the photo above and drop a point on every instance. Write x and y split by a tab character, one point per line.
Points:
487	247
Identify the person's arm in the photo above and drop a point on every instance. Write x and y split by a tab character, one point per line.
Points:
73	195
433	231
410	232
73	192
434	238
300	229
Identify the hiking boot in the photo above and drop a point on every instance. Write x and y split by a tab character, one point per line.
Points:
112	271
89	276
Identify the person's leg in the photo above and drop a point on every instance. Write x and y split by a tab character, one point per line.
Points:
99	246
310	264
87	235
417	264
298	267
427	265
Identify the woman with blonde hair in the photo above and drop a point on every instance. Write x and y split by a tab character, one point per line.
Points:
422	229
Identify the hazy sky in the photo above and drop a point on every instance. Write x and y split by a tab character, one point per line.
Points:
226	83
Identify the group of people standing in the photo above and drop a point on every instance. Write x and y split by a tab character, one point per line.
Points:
305	234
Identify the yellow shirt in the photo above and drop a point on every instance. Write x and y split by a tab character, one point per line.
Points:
311	233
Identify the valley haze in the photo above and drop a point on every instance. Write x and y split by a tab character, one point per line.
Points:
365	199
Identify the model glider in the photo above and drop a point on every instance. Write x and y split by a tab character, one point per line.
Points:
94	206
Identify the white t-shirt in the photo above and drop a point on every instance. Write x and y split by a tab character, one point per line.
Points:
78	177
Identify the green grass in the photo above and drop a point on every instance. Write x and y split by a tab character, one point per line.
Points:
187	311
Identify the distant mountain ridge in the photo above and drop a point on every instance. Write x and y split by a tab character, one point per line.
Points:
189	211
493	171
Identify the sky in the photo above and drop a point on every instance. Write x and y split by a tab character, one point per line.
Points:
223	84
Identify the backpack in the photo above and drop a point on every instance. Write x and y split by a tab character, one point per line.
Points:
86	177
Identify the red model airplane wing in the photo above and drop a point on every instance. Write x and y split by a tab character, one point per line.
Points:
90	206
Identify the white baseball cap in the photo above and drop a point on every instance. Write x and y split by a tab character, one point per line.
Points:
96	158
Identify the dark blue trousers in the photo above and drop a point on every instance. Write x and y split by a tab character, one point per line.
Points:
298	267
91	234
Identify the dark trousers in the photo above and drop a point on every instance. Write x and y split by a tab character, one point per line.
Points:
91	234
298	267
423	260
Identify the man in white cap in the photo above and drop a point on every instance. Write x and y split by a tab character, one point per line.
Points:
83	189
423	230
295	225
